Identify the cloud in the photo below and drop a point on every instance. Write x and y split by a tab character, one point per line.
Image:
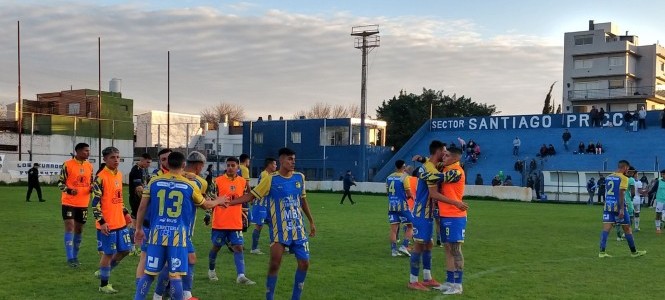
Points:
274	63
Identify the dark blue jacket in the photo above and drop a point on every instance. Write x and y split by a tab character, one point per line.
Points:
348	182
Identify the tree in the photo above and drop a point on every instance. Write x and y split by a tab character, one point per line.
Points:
407	112
548	108
326	111
216	114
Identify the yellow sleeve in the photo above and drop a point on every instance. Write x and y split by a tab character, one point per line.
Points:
263	188
624	182
146	189
197	197
430	174
405	180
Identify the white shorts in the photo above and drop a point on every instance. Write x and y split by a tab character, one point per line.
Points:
636	205
660	206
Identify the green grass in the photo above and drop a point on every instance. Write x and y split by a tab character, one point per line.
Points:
513	251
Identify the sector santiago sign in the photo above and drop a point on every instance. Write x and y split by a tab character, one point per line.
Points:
612	119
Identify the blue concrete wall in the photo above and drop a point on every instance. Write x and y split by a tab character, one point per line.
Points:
495	135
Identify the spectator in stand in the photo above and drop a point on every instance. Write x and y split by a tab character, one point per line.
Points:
543	151
476	149
533	165
536	184
516	146
599	148
580	148
550	150
509	181
591	148
591	189
501	177
566	137
601	117
636	117
593	116
641	117
462	143
601	189
496	181
479	179
470	147
627	119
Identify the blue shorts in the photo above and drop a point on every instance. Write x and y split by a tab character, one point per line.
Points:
422	230
258	214
404	216
452	229
116	241
220	237
613	217
299	248
157	255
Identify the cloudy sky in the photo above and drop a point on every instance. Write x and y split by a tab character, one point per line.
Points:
278	57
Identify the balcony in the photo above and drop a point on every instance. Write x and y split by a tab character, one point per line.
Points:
640	92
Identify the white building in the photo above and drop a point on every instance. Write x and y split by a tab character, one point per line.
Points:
151	129
601	67
227	141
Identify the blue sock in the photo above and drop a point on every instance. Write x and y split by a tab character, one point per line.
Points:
603	240
212	259
427	259
136	282
104	275
271	282
162	281
450	276
77	244
393	246
405	242
69	245
114	264
298	284
188	281
458	276
255	238
239	259
143	287
415	264
176	288
631	242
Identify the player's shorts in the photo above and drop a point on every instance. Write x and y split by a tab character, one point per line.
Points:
116	241
157	255
299	248
452	229
404	216
190	246
79	214
258	214
144	243
422	230
219	237
613	217
660	206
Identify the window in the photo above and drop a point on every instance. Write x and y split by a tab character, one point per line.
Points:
258	138
334	136
662	66
586	39
617	84
73	108
616	61
583	63
295	137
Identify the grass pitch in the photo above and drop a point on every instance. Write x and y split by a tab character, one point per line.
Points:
512	251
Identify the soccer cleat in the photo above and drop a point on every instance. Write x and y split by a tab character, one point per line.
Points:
619	239
603	255
657	230
396	254
455	289
73	263
404	251
431	283
107	289
212	275
42	200
256	251
637	229
443	287
638	253
417	286
244	280
97	274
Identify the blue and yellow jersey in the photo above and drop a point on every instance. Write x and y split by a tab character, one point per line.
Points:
428	176
397	184
282	199
614	184
202	184
159	171
258	201
171	209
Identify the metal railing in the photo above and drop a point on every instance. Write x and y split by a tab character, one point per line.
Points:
609	93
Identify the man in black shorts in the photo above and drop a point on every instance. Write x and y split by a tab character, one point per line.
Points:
138	178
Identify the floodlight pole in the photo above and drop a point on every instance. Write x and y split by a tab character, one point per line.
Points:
364	42
20	102
168	97
99	98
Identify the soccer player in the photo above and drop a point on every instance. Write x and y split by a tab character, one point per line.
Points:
227	222
110	215
75	183
452	211
615	210
659	189
163	167
399	191
630	208
169	200
138	178
285	198
428	178
243	171
637	200
259	215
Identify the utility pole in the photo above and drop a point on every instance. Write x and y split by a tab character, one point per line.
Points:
366	38
99	97
20	101
168	98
